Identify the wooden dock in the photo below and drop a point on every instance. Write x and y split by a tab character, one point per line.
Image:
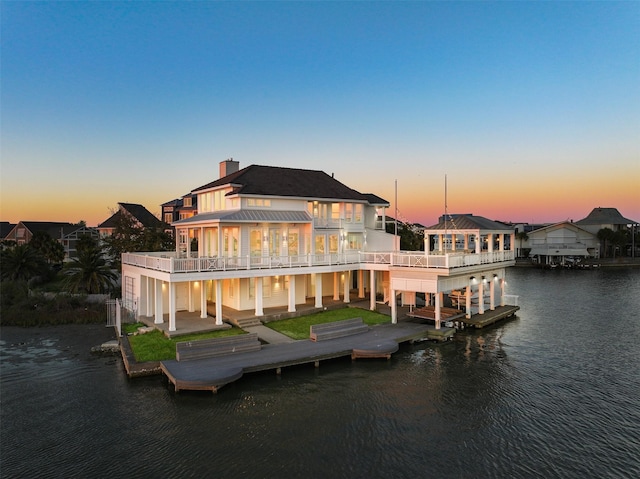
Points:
490	317
379	342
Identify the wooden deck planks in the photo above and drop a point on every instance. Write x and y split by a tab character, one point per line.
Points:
214	373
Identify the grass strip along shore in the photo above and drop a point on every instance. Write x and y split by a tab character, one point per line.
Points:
155	346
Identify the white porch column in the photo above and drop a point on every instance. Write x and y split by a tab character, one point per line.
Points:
440	242
502	288
318	290
258	297
201	242
347	284
394	309
218	302
492	290
172	306
372	290
190	287
360	283
203	299
427	244
490	242
159	313
142	302
466	242
468	303
481	297
336	286
150	295
438	306
292	294
478	239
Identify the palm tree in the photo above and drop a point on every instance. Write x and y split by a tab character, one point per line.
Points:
89	273
522	236
21	262
605	235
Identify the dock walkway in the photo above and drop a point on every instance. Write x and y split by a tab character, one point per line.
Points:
213	373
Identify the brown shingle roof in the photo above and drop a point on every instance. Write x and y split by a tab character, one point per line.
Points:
289	182
139	212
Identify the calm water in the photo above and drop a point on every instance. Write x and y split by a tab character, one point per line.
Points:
551	393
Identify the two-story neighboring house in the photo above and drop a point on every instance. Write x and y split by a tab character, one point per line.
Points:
561	243
66	234
179	209
275	237
140	215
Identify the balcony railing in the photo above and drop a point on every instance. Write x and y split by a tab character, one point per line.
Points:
168	262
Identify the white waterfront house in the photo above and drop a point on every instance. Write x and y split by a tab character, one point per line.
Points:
276	237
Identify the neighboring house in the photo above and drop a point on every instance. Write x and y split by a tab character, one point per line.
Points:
5	229
65	233
278	237
24	230
179	209
600	218
561	243
70	240
141	216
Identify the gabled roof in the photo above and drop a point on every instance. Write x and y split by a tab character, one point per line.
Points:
605	216
139	212
288	182
563	224
55	229
5	228
468	222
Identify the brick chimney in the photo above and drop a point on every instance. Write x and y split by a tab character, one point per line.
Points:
228	166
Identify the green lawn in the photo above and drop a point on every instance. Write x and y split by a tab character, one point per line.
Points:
155	346
298	328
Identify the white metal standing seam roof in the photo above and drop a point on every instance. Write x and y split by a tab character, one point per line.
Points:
248	216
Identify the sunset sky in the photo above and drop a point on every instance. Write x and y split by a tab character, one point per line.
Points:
530	109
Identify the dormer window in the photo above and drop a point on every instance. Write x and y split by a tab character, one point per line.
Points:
258	203
187	201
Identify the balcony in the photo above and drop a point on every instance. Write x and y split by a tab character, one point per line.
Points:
168	262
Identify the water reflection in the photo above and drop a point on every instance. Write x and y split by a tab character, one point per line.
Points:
550	393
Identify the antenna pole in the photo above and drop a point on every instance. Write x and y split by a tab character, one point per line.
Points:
444	238
395	246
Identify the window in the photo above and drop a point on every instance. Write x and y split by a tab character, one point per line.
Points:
333	244
335	211
274	242
168	217
255	238
348	212
320	244
354	241
187	202
358	213
294	243
266	287
258	202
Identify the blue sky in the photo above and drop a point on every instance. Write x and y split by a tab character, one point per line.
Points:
531	109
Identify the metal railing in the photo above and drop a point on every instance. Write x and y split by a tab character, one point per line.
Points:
169	263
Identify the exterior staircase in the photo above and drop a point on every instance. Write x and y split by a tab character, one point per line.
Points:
243	323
